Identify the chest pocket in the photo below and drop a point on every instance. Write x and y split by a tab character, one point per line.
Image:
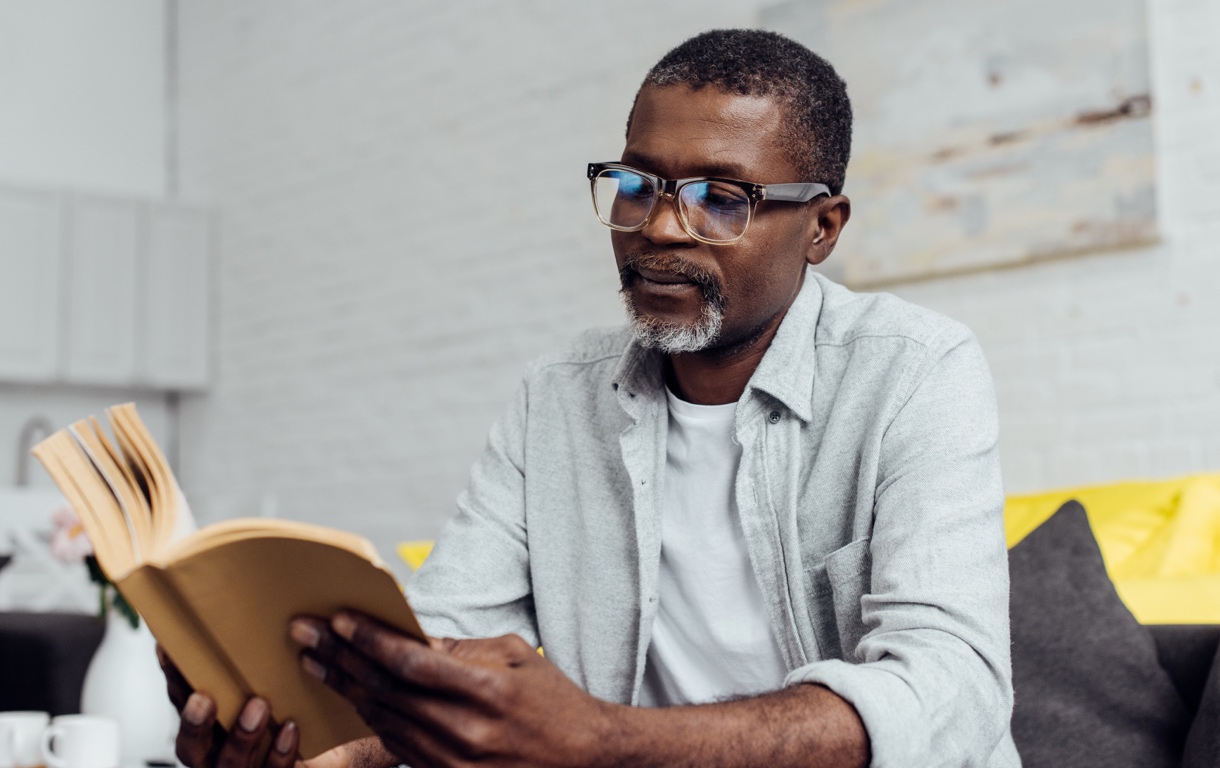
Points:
838	583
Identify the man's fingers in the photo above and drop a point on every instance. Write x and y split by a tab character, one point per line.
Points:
397	670
419	727
387	705
366	685
406	658
246	738
331	660
283	752
176	686
195	731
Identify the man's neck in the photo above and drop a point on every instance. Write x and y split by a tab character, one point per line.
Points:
719	376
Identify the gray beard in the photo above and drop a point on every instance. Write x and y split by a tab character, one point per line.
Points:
671	338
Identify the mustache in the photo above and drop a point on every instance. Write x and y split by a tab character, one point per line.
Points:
708	284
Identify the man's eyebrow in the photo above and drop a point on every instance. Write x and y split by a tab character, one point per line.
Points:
653	165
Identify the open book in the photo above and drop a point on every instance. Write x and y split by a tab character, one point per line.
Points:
219	600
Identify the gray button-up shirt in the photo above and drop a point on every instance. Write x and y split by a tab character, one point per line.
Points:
870	497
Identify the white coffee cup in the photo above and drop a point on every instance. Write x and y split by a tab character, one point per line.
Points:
81	741
21	738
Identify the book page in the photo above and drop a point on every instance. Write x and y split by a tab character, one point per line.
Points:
149	462
93	501
135	510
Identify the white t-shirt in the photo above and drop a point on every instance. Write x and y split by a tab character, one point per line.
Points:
712	638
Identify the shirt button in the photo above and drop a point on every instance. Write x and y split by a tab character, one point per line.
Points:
774	417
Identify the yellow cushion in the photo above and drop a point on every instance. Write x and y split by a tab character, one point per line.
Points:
1160	541
413	553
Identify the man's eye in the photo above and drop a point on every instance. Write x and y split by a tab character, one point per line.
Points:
712	196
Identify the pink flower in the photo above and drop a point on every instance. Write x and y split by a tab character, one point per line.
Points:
69	543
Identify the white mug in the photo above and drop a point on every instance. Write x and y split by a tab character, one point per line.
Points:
21	738
81	741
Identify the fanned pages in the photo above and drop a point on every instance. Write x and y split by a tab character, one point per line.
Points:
219	600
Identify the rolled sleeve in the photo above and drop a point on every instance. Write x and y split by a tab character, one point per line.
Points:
931	675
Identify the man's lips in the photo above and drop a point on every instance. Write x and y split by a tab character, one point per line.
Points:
665	278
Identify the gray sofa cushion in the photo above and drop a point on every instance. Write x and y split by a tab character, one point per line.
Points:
1089	690
43	659
1186	652
1203	743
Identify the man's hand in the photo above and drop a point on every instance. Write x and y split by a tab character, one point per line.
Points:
455	701
497	702
202	743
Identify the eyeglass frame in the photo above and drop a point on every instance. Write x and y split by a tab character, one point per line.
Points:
791	192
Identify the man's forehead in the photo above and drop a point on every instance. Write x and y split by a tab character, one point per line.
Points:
682	131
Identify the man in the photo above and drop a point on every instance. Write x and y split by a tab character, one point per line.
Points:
770	509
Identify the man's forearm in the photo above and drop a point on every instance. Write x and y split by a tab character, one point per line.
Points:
801	725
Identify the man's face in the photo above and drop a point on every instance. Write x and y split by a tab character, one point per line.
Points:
679	288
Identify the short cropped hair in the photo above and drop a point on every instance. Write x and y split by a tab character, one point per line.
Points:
752	62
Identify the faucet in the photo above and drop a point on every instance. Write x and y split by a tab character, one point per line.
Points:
36	426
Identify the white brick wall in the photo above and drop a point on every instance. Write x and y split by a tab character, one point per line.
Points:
405	223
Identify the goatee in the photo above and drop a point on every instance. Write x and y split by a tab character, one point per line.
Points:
664	336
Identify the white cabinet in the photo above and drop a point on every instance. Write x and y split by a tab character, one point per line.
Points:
176	298
30	234
103	291
101	288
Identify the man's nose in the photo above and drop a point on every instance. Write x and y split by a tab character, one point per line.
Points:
664	226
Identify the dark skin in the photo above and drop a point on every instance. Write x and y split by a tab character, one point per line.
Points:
496	701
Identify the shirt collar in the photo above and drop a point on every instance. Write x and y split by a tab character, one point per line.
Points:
788	366
640	376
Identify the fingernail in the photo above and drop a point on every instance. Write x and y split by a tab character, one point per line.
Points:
304	633
283	742
313	668
252	715
196	709
344	626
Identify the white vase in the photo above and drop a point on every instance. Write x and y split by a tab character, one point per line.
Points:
125	682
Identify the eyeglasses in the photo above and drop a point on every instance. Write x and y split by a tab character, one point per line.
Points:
711	210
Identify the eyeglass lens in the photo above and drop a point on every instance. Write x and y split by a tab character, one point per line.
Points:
712	210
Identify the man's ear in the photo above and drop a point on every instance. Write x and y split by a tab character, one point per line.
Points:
832	216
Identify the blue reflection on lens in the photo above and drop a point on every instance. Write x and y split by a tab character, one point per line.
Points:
632	185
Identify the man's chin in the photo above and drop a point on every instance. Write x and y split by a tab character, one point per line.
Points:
691	331
672	338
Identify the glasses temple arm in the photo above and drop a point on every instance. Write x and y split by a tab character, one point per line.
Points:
798	192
